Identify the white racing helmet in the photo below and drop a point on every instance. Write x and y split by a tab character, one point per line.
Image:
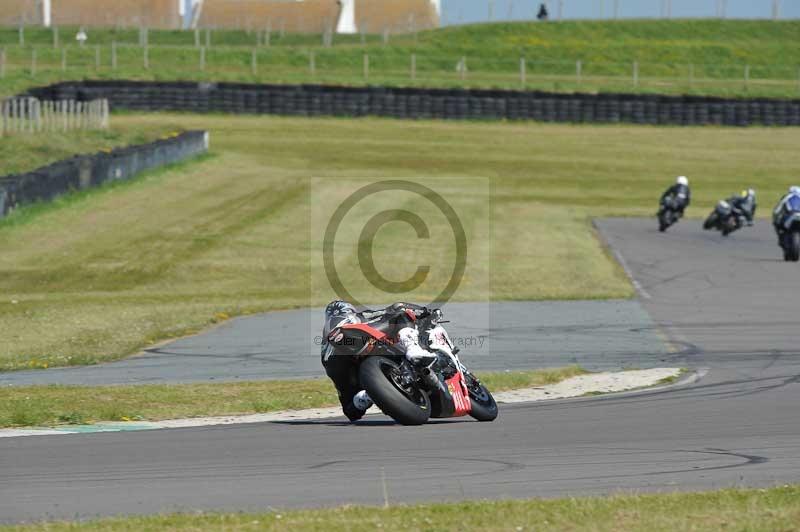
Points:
794	190
682	180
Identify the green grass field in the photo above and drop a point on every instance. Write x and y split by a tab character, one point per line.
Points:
28	406
753	510
673	56
229	235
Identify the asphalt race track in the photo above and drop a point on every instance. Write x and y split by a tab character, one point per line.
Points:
598	335
729	305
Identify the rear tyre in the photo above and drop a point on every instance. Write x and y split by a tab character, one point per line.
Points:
663	221
406	405
793	246
483	405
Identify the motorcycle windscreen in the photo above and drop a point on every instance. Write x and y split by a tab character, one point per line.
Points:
458	390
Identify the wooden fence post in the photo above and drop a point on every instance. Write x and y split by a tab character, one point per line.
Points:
37	113
254	61
746	76
413	67
146	57
578	71
312	65
64	59
522	71
203	59
22	35
97	57
366	66
113	55
55	36
463	67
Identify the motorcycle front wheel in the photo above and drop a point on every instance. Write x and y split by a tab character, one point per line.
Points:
484	407
383	380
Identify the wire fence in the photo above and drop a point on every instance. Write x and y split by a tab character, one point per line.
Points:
30	115
393	66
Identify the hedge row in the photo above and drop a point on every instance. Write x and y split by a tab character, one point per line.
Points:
318	100
84	171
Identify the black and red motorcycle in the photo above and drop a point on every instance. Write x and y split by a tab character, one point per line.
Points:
407	392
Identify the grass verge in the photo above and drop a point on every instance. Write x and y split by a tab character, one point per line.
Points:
230	234
730	509
55	405
25	152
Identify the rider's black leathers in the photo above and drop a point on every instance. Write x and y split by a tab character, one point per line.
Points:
744	208
678	191
343	369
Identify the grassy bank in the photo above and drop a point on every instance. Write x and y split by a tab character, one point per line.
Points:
731	509
673	56
22	153
56	405
230	235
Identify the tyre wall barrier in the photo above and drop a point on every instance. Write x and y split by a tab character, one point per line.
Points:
84	171
321	100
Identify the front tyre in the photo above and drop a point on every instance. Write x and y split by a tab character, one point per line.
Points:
710	221
382	379
484	407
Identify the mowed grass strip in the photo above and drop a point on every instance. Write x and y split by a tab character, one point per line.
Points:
55	405
171	253
753	510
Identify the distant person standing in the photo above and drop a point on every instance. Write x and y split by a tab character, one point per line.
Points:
543	14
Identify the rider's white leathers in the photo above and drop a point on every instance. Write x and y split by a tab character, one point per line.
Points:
408	339
778	212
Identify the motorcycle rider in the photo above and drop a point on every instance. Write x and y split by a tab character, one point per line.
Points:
744	207
343	370
681	192
782	209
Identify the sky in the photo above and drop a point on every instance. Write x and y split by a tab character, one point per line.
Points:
465	11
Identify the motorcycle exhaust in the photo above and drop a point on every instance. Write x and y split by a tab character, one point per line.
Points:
432	380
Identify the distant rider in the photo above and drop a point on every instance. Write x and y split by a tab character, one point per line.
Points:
787	205
343	370
680	192
744	207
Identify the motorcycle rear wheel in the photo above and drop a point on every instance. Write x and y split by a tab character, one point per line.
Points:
792	252
406	405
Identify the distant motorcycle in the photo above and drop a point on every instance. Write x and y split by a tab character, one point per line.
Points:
723	219
790	237
669	212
